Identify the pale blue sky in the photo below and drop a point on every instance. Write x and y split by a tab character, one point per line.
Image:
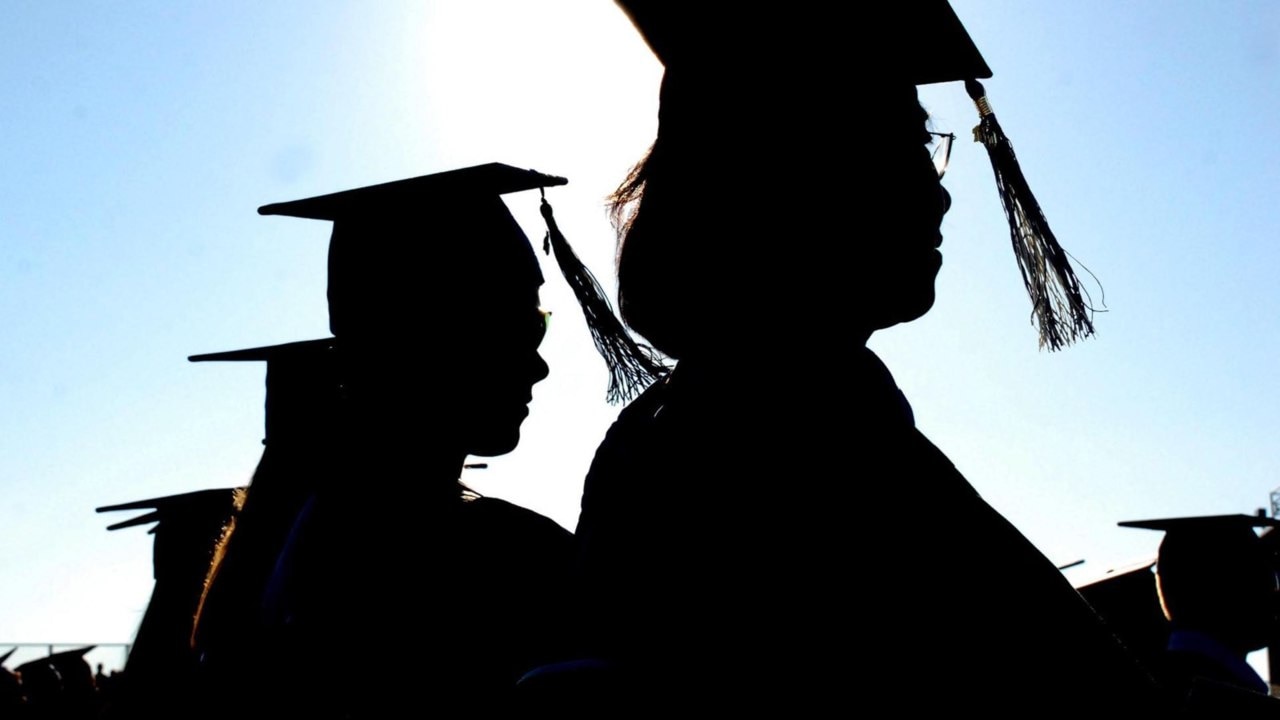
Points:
139	139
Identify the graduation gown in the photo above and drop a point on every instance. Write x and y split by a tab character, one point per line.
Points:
424	607
794	542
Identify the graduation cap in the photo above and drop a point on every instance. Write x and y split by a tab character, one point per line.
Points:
769	61
57	674
186	525
1217	576
304	389
1212	541
402	250
178	509
1215	564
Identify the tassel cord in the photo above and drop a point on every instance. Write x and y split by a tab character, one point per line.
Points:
632	366
1059	308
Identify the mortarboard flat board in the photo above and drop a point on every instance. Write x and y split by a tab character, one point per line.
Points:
920	40
952	54
417	194
1203	523
199	506
187	527
303	348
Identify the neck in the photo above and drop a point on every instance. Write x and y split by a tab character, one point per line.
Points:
410	455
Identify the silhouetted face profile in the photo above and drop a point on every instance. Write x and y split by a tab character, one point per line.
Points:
437	310
497	366
709	258
899	259
463	382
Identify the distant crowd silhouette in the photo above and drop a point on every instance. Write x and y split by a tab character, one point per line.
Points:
59	685
748	537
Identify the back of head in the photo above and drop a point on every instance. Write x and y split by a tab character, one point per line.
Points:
1219	581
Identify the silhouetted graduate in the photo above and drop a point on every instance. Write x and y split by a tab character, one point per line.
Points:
59	686
160	667
403	256
1217	586
749	533
303	407
433	298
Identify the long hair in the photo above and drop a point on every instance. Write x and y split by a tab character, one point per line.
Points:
668	274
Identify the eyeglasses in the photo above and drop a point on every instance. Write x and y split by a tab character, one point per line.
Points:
942	151
544	323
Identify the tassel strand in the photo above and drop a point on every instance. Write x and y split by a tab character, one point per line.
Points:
632	366
1059	309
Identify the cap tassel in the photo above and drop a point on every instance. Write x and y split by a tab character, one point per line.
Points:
632	366
1059	307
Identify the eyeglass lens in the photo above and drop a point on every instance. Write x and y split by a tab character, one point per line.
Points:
941	151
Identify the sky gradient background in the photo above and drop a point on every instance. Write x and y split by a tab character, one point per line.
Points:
140	138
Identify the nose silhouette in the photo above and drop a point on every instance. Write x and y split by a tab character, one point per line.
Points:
540	369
